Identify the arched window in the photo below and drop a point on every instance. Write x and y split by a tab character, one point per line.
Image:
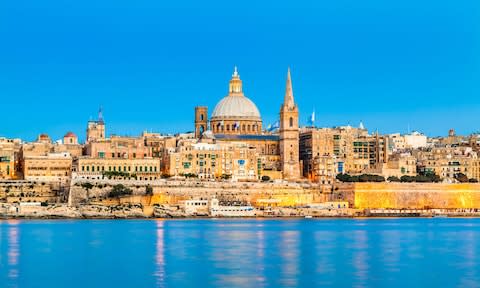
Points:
228	127
248	127
201	117
291	122
243	127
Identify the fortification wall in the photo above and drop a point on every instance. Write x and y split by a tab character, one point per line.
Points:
416	195
16	191
173	193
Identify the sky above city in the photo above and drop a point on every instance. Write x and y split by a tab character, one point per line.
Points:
395	65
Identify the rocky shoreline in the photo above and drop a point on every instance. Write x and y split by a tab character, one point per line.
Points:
137	211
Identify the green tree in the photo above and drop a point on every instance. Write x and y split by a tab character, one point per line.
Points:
226	176
87	185
407	179
393	179
119	190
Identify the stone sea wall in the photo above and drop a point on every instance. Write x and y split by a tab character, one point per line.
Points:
174	192
415	195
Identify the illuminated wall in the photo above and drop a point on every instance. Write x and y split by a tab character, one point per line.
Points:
416	195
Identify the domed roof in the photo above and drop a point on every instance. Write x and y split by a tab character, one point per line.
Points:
44	136
236	106
70	134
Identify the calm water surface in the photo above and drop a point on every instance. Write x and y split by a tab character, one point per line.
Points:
240	253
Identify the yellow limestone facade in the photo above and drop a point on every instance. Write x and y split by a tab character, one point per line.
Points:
416	195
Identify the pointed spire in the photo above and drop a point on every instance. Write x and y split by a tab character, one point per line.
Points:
100	115
288	101
235	72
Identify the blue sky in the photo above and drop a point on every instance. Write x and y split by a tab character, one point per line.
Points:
392	64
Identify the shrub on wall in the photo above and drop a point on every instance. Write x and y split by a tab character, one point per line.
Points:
120	190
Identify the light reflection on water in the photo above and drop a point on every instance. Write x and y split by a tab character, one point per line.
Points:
13	251
240	253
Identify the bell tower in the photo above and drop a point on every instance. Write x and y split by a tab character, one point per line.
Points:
201	120
289	134
96	129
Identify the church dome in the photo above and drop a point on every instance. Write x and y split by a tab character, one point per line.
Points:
236	106
70	134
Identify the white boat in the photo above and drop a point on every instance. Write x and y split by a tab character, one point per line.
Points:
308	217
230	211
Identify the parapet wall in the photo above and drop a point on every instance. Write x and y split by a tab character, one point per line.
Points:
416	195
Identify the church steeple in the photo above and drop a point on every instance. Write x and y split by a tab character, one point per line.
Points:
100	115
289	134
235	86
288	101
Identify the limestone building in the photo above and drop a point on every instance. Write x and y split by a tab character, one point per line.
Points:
316	154
235	160
8	157
133	157
447	162
96	168
37	160
49	167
